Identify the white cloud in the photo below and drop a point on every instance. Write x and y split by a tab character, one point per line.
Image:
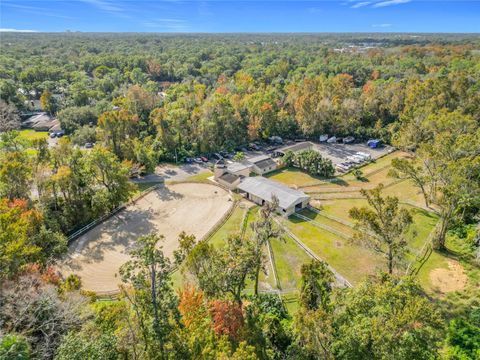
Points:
314	10
17	30
109	7
104	5
175	25
360	4
381	25
389	3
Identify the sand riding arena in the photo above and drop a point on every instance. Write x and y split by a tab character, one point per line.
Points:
97	255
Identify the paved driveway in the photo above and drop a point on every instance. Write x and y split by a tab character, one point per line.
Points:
171	172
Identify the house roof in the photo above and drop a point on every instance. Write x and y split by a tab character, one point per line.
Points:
229	178
256	159
265	188
237	166
306	145
266	163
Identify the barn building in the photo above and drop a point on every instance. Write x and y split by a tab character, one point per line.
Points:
260	190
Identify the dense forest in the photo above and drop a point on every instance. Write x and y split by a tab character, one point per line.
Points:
144	99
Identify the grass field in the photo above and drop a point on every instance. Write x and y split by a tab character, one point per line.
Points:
29	135
328	232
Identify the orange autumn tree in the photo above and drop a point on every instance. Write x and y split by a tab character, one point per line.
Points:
192	307
18	225
227	318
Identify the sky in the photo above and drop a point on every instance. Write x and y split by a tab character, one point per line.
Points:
240	16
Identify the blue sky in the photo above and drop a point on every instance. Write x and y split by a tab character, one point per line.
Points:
241	16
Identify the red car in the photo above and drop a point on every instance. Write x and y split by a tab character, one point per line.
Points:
204	159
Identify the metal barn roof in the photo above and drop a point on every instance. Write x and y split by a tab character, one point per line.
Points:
306	145
264	189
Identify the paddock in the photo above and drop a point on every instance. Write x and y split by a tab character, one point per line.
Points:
97	255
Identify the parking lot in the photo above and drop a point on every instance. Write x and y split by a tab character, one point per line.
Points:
339	152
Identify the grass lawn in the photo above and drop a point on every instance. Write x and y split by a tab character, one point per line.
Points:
289	258
231	226
349	260
291	302
29	134
203	176
294	177
375	173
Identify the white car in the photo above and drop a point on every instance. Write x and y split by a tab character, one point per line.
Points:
332	140
366	156
355	159
323	138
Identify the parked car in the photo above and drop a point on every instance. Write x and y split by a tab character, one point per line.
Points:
323	138
217	156
374	143
366	156
88	145
188	160
253	146
355	159
332	140
300	140
204	159
60	133
348	140
53	135
198	160
276	139
345	166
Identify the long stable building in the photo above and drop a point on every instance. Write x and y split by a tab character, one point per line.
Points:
260	190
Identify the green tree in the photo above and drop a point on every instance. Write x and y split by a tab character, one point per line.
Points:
224	271
239	156
9	118
115	128
73	118
383	226
406	169
48	102
152	298
316	288
264	230
14	347
77	346
112	175
386	319
15	175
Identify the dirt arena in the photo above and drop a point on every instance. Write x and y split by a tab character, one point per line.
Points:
191	207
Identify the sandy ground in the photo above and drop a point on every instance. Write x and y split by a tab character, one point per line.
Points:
451	279
97	255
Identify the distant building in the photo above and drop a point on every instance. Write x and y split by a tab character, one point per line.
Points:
260	190
41	122
295	148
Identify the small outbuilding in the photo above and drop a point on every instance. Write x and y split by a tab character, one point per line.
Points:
261	190
229	181
240	168
262	164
